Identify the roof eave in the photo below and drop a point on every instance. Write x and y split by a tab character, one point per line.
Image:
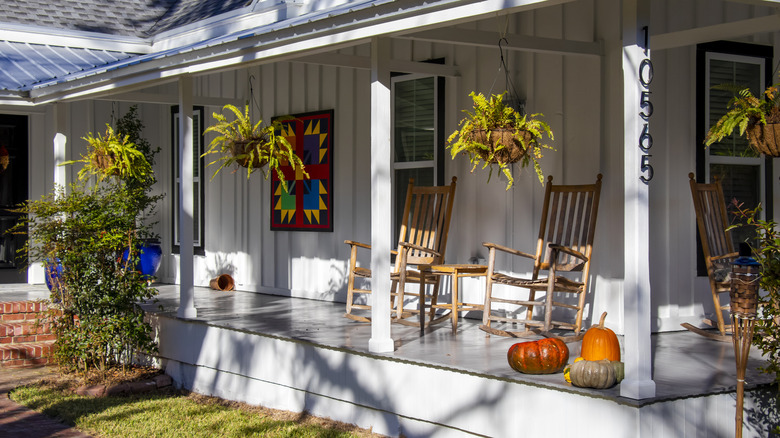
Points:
312	33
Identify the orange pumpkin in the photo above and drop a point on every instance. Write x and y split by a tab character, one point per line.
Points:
600	342
545	356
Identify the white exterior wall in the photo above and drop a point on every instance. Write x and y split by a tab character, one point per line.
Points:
579	96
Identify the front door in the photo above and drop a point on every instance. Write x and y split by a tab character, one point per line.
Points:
13	191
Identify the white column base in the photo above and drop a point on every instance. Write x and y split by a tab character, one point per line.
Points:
187	312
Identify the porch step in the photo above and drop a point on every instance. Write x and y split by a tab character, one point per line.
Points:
26	354
25	340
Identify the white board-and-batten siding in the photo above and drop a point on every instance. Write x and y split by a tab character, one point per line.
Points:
579	96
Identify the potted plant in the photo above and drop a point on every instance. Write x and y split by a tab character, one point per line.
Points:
758	118
766	250
252	145
112	154
495	133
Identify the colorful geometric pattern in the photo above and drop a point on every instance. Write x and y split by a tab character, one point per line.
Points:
307	204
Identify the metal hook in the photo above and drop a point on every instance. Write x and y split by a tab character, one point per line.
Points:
501	50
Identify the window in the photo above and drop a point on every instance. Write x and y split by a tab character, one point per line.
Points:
418	140
197	139
743	173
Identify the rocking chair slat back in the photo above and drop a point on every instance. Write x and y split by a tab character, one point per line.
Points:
569	222
426	221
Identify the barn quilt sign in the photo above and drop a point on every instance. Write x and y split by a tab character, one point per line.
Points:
307	204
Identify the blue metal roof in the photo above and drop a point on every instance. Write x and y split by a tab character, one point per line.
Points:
22	65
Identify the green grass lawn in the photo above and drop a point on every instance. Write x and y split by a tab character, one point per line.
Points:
173	414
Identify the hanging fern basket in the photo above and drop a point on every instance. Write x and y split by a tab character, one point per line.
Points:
512	150
765	138
105	162
242	148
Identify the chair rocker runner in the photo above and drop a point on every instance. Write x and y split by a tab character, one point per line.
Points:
422	240
718	249
565	244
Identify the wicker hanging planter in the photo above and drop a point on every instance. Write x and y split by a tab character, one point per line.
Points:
242	148
105	163
512	150
765	138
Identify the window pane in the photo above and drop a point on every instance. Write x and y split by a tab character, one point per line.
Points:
742	75
414	120
742	183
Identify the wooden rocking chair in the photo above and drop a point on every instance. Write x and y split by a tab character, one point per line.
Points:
565	244
717	248
422	240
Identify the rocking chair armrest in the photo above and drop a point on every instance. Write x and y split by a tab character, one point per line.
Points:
731	255
567	250
419	248
358	244
508	250
365	245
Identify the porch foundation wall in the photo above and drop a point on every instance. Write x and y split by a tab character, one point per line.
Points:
402	398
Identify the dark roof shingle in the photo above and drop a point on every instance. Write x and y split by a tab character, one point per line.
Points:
139	18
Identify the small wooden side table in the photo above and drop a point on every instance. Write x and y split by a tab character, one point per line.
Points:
456	272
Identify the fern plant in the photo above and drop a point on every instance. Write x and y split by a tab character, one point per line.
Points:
112	155
495	133
746	110
252	145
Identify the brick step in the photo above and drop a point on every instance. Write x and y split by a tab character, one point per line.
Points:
25	355
21	310
30	330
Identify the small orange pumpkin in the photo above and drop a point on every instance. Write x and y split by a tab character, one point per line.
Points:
600	343
545	356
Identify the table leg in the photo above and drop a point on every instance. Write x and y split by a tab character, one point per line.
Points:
422	303
455	299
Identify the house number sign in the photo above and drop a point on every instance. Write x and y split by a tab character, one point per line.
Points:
645	111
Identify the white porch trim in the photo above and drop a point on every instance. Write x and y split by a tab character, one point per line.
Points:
60	143
638	383
381	190
186	207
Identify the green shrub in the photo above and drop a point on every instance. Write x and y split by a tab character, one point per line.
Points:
93	230
99	322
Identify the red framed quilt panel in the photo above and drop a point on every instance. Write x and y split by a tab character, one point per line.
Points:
307	205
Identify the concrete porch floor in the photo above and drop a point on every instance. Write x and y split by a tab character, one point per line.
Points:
684	364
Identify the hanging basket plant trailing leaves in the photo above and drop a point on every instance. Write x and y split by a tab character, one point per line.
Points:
112	155
757	118
495	133
252	145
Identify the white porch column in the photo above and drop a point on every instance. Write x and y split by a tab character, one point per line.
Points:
381	221
186	287
637	74
60	145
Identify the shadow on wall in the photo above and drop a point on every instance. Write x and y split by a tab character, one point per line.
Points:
763	417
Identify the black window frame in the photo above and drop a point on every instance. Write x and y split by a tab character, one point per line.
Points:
727	48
